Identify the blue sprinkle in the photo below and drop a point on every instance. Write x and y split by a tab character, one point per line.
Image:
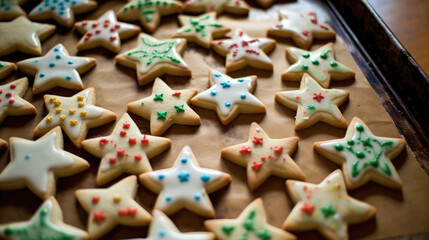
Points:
243	96
61	12
53	7
8	7
197	196
52	64
70	62
61	3
213	93
27	156
55	1
56	49
161	176
42	75
226	84
161	233
74	2
240	80
183	176
40	9
168	198
36	61
47	4
228	104
68	77
58	56
205	178
184	160
62	8
216	75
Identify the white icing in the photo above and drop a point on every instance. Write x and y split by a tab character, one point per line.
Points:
5	101
191	190
215	5
236	93
68	103
241	46
60	8
36	230
33	160
149	47
204	30
56	65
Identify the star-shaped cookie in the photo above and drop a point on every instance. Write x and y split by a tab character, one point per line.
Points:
6	68
302	28
165	107
106	32
364	157
3	144
149	12
218	6
37	164
320	64
264	156
325	207
201	29
111	206
163	228
61	11
229	96
314	103
242	51
46	223
251	224
11	101
75	115
185	185
265	3
153	58
56	68
24	36
10	9
125	150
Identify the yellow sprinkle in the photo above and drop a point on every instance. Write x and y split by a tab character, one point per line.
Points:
57	103
83	113
81	104
63	117
80	98
52	99
49	119
73	122
58	110
117	198
72	111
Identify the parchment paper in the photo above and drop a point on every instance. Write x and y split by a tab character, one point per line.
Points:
398	212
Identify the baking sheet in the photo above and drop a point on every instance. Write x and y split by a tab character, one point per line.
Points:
398	212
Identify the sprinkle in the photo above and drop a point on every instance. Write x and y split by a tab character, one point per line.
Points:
58	110
42	75
126	125
278	149
137	157
103	141
117	198
145	140
72	111
52	64
120	152
245	149
73	122
205	178
80	98
98	217
95	199
81	104
257	140
184	160
132	140
49	119
123	133
227	104
176	94
257	165
112	160
83	113
63	117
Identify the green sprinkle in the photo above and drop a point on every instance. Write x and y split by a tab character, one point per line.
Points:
311	107
162	115
180	108
359	128
159	97
360	155
315	62
334	64
324	55
351	142
304	67
339	147
307	55
228	229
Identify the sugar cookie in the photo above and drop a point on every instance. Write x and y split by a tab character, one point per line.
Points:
56	68
46	223
125	150
149	12
263	156
24	36
11	101
165	107
6	68
185	185
364	157
106	32
242	50
111	206
201	29
153	58
75	115
314	103
250	225
10	9
319	64
265	3
3	144
229	96
61	11
325	207
302	28
37	164
218	6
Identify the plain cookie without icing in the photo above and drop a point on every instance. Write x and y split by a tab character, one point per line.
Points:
218	6
6	68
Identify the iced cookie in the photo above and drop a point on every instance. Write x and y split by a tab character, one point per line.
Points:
46	223
22	35
6	68
319	64
218	6
242	51
165	107
263	156
364	157
163	228
302	28
149	12
37	164
104	32
61	11
229	96
185	185
3	144
56	69
75	115
10	9
112	206
314	104
153	58
125	150
201	29
325	207
11	101
250	225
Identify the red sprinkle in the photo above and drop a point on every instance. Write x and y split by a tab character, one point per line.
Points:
126	125
112	38
233	45
86	38
98	217
278	149
106	25
95	24
212	7
12	86
1	91
132	140
252	51
257	140
257	165
117	26
176	94
95	198
305	32
145	140
112	29
137	157
123	133
8	94
112	160
122	212
11	101
245	149
84	23
132	211
97	31
314	20
240	33
307	208
324	27
103	141
279	25
263	158
220	42
318	96
120	152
